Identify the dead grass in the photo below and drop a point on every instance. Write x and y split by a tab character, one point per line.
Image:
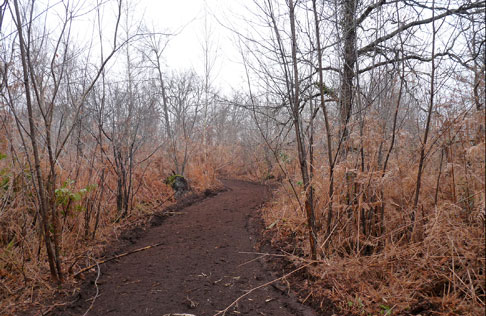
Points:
434	265
367	266
24	273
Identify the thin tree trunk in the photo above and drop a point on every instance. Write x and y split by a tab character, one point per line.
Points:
98	208
300	143
326	119
427	127
43	199
436	195
394	131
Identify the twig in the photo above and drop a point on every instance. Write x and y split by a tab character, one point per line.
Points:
97	289
51	308
116	257
254	259
307	297
263	253
223	312
41	313
287	255
164	201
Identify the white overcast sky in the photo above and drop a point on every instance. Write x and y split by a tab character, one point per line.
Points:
185	51
187	17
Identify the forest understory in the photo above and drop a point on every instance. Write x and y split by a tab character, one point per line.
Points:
367	118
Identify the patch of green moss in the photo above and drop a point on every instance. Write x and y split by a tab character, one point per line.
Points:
171	179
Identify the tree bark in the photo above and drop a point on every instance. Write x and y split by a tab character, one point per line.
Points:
295	104
326	119
41	191
427	127
349	61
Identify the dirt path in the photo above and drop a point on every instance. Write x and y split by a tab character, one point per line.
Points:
199	269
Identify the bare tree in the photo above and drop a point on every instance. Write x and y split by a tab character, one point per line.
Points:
185	98
295	108
45	65
427	124
180	96
281	74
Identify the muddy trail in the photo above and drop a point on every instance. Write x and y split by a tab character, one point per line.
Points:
205	261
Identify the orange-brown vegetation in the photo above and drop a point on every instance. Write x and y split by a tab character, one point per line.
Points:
375	140
368	264
371	265
86	203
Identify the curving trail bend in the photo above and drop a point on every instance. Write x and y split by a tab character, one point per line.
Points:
200	268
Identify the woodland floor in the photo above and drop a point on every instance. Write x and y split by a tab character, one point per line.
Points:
205	262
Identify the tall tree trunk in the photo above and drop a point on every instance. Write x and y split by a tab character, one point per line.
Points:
349	61
394	130
326	119
41	190
427	126
295	103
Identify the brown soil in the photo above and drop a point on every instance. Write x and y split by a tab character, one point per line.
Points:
204	264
